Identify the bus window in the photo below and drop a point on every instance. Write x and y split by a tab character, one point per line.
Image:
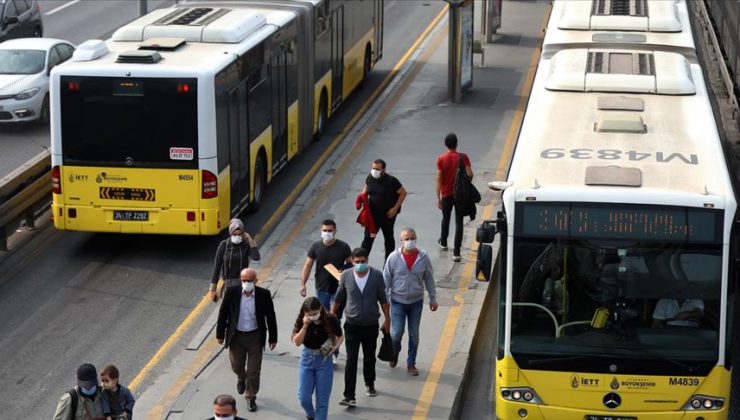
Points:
260	103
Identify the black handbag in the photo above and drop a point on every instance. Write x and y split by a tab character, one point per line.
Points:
386	352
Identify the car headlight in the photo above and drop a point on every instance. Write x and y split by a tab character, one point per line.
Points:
27	94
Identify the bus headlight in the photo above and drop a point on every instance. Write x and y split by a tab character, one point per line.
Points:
526	395
27	94
703	402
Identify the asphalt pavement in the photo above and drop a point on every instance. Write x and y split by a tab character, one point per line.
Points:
406	128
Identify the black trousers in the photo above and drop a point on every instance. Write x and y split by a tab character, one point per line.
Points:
447	204
354	337
385	225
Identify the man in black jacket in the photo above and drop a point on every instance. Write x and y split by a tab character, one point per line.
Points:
245	321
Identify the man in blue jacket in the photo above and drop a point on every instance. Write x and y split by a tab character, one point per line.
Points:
408	271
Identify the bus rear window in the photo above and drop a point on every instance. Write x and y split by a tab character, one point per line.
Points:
142	122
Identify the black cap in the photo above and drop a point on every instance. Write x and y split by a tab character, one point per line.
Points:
87	376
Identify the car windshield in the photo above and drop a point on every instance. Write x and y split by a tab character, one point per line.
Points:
22	61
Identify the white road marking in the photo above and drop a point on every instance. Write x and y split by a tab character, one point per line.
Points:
62	7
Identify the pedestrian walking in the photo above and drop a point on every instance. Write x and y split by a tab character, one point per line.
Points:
232	256
329	250
224	408
407	272
385	195
320	334
246	320
361	290
447	165
118	402
83	402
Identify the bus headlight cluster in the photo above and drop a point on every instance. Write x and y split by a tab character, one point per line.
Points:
526	395
703	402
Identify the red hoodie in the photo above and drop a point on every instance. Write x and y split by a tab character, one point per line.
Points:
365	218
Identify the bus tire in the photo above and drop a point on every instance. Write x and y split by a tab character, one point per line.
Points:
321	121
367	64
260	182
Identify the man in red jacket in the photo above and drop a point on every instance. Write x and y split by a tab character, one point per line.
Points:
447	164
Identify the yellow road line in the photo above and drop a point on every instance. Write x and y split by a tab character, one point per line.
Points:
445	341
182	381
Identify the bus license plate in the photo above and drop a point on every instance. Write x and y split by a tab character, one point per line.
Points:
139	216
591	417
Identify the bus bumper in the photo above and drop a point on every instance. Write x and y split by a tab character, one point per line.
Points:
508	410
159	221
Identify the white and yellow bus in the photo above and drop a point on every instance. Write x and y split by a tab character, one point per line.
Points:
617	248
180	120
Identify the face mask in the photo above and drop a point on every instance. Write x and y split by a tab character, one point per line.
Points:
361	267
89	392
223	418
248	286
236	239
409	244
327	236
375	173
315	317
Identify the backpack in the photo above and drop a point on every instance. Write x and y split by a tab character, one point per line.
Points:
464	192
73	402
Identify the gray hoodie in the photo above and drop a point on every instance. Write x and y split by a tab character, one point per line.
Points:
407	286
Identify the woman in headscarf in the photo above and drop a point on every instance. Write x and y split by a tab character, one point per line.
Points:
232	255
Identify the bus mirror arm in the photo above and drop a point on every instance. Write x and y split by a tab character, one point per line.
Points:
489	228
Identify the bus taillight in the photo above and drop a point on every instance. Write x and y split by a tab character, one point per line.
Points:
210	184
56	180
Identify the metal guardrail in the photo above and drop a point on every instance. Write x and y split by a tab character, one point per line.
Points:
24	193
723	18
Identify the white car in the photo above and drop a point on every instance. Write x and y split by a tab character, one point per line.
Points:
25	64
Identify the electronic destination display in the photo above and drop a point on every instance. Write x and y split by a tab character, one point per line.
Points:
617	221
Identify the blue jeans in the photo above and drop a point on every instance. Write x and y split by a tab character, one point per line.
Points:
315	375
327	299
400	312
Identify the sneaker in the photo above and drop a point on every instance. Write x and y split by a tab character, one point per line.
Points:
240	387
370	390
348	402
442	245
456	258
251	405
413	371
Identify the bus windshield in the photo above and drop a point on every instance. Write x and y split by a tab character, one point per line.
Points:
143	122
609	305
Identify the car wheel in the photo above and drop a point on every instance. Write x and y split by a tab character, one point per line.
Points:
37	33
44	112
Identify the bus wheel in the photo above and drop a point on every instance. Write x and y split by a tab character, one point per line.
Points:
321	123
367	64
260	181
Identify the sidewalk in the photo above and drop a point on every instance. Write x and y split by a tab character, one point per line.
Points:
414	116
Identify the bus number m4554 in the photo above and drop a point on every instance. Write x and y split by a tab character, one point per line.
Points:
683	381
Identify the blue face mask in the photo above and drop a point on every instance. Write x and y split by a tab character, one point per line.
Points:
361	267
90	391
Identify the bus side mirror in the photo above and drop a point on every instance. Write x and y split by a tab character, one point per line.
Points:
486	232
484	262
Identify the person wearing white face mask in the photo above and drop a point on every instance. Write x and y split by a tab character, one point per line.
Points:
320	334
329	250
232	256
224	408
246	321
407	272
385	195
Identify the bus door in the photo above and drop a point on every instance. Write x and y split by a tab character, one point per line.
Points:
238	147
337	54
278	71
378	22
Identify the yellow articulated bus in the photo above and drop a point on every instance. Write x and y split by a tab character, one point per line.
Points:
617	235
181	119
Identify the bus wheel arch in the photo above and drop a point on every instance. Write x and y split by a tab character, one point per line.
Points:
322	114
367	64
260	181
